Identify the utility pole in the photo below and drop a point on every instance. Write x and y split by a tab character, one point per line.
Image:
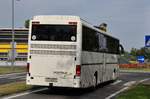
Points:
13	35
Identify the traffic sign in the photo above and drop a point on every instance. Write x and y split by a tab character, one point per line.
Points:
147	41
140	59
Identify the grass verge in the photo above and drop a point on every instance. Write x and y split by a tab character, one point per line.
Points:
8	69
15	87
140	91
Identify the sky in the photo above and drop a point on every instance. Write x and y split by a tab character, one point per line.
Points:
128	20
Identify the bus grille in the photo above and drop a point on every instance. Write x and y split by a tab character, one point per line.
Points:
53	46
48	52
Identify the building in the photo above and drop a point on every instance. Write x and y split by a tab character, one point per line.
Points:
21	39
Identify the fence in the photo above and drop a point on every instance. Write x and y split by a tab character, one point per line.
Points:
138	65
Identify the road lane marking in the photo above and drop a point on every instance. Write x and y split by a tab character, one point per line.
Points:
7	75
132	71
129	83
12	74
19	77
144	80
116	82
2	77
24	93
114	94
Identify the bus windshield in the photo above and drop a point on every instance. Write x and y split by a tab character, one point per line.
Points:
54	32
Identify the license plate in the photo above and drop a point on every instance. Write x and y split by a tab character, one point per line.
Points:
51	79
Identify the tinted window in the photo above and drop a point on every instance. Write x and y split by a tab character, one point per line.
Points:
112	45
98	42
90	39
54	32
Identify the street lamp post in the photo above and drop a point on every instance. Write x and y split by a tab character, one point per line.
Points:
13	34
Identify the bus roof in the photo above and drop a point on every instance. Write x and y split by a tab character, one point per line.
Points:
92	27
70	17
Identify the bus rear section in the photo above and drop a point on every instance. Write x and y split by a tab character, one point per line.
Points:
52	58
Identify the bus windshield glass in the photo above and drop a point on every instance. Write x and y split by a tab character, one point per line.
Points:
54	32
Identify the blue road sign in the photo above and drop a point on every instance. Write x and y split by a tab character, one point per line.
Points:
147	41
140	59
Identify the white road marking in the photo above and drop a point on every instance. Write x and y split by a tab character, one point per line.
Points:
116	82
19	77
23	78
114	94
129	83
12	74
2	77
7	75
144	80
25	93
133	71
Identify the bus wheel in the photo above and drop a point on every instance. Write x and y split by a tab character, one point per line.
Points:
114	74
94	81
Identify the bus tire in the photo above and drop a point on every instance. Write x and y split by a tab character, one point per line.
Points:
95	80
114	75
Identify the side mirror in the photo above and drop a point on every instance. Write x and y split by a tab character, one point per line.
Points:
121	49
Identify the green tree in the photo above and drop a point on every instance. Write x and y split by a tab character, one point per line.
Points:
147	53
140	52
133	51
26	24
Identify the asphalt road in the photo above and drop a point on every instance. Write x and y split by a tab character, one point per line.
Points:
104	91
8	78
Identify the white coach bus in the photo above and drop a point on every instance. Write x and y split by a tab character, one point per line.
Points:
66	51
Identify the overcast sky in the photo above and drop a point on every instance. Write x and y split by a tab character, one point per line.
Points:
129	20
